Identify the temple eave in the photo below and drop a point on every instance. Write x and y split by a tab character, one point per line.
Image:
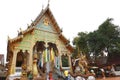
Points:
70	48
16	39
63	39
28	30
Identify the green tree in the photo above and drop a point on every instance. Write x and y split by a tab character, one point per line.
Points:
81	43
111	35
94	42
106	38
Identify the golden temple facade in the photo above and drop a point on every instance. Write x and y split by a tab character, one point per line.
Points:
41	44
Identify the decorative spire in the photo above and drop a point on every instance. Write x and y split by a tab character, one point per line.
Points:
48	3
28	25
32	24
20	29
8	38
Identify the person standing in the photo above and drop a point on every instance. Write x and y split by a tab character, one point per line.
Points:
103	73
50	75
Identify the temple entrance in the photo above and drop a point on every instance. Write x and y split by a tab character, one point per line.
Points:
46	54
53	54
38	49
19	62
19	59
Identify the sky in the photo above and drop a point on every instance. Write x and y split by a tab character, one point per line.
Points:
72	16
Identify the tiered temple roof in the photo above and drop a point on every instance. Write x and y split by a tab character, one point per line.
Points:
33	26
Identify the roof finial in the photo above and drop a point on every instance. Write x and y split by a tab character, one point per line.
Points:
48	3
8	38
20	29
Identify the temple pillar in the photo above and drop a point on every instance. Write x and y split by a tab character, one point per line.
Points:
30	51
60	61
29	67
13	65
29	60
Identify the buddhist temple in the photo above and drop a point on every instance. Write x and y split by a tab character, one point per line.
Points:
40	48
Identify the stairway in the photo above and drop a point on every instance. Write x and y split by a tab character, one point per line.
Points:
57	74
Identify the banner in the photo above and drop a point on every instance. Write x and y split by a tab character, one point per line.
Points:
52	55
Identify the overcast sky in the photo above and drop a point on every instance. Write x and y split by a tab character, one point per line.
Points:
72	16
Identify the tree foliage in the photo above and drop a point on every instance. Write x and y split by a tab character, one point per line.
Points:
106	38
110	34
81	43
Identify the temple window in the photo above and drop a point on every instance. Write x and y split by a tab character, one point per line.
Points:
65	62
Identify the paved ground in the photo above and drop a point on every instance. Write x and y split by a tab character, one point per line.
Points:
110	78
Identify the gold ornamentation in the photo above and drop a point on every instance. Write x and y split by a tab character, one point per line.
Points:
46	22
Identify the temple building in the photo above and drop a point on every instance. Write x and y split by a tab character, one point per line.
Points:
40	48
